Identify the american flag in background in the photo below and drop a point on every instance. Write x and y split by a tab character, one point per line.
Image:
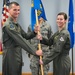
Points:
5	12
5	15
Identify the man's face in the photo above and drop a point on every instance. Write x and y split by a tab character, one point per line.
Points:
14	11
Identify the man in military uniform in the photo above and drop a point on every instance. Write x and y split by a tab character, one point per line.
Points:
45	30
14	39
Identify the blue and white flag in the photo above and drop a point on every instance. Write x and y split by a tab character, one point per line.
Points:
36	5
74	24
71	22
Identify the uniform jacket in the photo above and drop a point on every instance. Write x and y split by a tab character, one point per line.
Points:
14	39
59	52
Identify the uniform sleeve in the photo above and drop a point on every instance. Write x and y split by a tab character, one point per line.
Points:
48	42
28	35
29	30
21	41
50	57
56	49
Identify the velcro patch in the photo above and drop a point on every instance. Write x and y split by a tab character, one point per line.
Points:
61	39
12	27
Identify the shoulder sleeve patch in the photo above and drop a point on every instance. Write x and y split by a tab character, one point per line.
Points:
12	27
61	39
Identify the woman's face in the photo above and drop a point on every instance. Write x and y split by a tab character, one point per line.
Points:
60	21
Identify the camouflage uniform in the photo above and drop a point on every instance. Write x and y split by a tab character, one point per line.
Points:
34	62
13	42
59	53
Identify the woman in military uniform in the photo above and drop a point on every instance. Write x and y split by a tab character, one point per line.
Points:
60	43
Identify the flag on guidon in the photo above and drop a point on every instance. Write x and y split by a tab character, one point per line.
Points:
36	5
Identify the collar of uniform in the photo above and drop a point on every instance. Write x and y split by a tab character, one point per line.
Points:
43	24
12	20
62	29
